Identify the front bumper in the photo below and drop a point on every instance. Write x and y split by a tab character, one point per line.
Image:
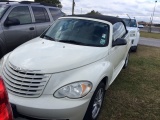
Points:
48	107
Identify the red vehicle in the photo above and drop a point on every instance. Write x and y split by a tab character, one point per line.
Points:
5	108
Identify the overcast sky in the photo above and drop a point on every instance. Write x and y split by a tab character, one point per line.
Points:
141	9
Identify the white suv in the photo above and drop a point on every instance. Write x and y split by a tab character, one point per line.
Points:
132	27
63	74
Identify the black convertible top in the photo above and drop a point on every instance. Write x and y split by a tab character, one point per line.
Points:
110	19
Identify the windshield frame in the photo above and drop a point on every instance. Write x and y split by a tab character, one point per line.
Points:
84	18
129	22
8	6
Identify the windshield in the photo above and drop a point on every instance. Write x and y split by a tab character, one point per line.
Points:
79	31
3	9
130	22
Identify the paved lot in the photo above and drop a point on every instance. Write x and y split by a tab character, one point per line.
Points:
149	42
154	29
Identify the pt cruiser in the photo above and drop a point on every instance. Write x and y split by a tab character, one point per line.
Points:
63	74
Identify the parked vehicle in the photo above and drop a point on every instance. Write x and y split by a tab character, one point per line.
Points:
132	27
22	21
63	74
5	108
140	26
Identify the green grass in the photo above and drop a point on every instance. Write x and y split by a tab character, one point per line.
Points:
135	94
150	35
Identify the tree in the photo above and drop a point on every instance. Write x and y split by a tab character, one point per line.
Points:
54	2
94	13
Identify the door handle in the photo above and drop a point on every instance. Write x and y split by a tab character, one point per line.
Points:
31	28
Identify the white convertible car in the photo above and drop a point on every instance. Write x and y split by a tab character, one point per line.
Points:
63	74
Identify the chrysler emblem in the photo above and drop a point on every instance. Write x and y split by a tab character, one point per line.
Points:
21	69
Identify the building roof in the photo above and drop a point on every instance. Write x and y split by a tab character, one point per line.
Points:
110	19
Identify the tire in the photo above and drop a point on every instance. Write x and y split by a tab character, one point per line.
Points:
1	54
134	49
126	61
2	50
94	105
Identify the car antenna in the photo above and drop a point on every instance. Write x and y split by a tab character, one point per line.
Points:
129	19
128	16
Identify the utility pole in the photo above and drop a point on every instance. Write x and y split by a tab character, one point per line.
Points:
73	5
150	28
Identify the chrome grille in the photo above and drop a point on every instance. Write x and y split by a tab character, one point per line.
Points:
26	84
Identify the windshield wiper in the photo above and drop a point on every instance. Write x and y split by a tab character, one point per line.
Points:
72	42
48	37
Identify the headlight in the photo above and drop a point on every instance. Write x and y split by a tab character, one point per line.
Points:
132	34
74	90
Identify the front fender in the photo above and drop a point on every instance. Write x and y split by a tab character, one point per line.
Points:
94	73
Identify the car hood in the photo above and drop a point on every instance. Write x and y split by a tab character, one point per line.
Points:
49	56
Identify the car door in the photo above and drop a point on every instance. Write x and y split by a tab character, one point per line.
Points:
117	53
41	19
15	35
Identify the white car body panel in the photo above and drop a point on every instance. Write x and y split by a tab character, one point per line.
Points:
66	63
136	37
63	61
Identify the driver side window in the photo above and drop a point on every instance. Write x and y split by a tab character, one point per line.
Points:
22	14
118	30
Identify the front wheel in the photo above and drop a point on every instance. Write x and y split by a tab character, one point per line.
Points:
1	54
134	48
95	103
2	50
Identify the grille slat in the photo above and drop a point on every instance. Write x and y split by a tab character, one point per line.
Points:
20	90
24	84
24	75
22	81
22	87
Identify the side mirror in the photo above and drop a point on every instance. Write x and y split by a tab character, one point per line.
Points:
11	22
119	42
